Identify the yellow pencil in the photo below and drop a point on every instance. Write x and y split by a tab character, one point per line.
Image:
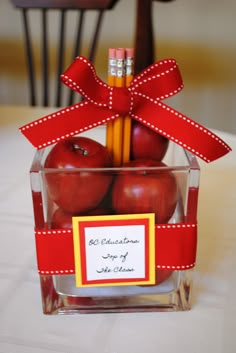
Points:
129	74
111	82
118	123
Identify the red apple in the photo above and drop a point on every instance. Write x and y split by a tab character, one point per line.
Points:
146	190
146	143
63	219
79	303
71	187
161	276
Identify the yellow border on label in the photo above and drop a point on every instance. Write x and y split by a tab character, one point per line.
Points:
151	250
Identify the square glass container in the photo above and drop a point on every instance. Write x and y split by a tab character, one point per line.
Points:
172	290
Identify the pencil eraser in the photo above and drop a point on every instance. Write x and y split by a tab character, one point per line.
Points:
111	52
129	52
120	53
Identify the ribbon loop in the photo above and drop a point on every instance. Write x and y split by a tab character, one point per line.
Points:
142	100
159	81
81	77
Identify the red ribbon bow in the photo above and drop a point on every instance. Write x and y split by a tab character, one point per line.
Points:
142	101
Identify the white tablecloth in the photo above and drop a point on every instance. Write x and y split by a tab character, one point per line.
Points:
208	327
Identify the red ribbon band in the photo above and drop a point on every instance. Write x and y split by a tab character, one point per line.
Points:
142	101
176	246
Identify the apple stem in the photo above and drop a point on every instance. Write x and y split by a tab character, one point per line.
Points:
82	150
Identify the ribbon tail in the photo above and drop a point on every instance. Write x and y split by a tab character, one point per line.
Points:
181	130
66	122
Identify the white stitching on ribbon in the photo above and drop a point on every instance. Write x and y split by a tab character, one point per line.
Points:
53	232
179	225
167	267
56	272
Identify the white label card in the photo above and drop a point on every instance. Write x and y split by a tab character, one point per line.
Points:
114	250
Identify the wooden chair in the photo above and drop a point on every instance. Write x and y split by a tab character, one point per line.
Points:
45	8
144	37
143	43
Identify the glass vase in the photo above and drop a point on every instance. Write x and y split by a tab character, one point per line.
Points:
171	289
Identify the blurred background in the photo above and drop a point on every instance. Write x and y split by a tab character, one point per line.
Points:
199	34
